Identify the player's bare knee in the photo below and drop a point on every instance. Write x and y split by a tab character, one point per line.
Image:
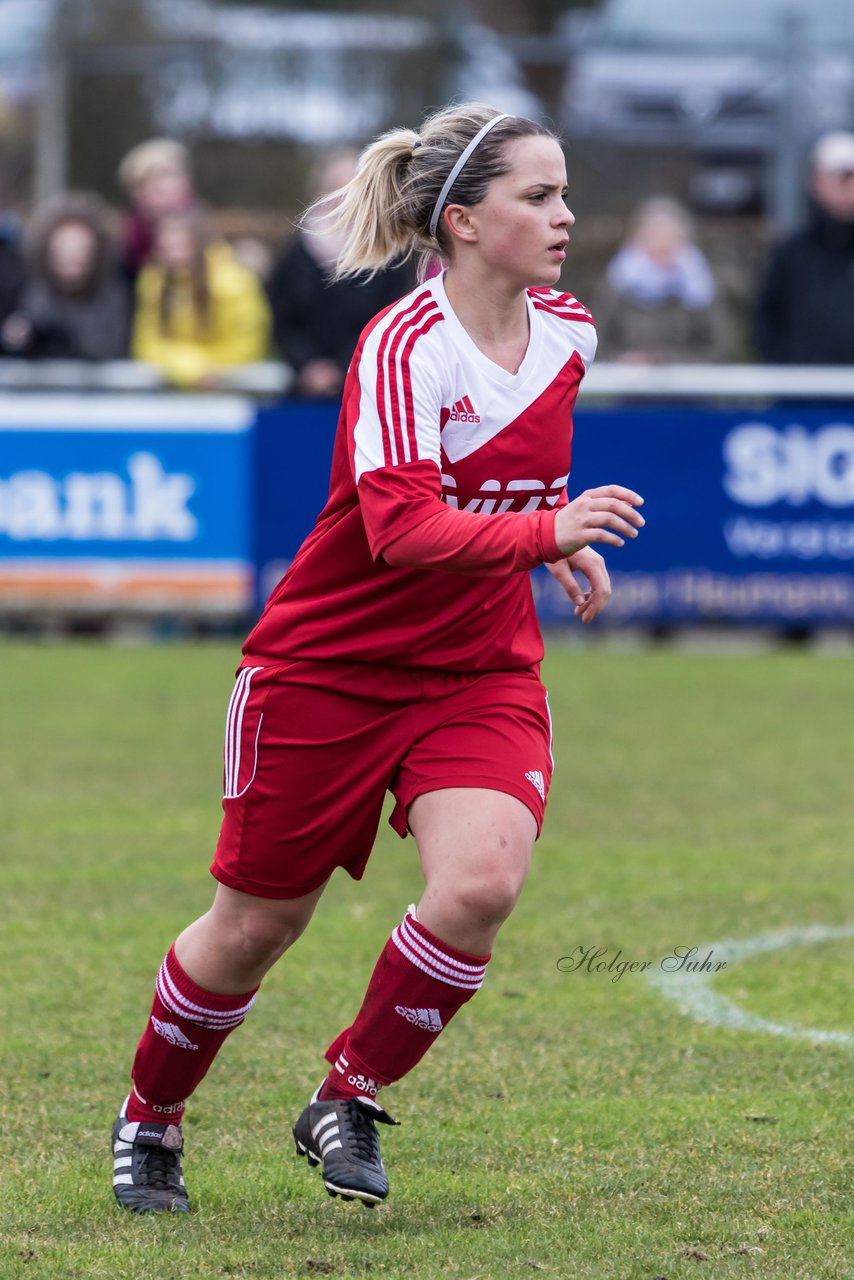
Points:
490	898
262	937
256	931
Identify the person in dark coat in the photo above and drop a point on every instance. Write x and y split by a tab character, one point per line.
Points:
317	320
75	304
11	269
805	302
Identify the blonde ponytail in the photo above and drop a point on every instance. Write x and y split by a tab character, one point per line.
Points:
371	209
384	212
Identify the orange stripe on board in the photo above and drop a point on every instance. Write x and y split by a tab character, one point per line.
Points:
222	588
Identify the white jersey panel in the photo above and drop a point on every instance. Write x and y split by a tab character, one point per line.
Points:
559	309
426	387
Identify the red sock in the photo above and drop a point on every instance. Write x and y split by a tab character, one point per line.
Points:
184	1032
418	985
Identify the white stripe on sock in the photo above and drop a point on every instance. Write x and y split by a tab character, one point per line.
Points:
412	945
413	934
431	969
214	1019
178	1003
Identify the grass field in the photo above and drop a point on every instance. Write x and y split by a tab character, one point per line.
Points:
568	1124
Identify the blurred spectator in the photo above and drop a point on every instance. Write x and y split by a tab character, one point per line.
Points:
255	255
11	266
659	303
156	176
805	301
198	310
74	304
317	320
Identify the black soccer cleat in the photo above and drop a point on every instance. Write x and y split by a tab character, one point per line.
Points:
341	1134
147	1174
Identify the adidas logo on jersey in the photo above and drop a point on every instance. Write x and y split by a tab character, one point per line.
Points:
463	411
424	1019
173	1034
535	777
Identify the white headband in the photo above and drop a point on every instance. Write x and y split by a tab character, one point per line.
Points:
458	168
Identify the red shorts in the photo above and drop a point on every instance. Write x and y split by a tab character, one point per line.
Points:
311	747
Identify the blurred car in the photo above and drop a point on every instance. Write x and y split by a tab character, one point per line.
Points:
714	76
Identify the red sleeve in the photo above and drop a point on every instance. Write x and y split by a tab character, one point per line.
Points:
409	526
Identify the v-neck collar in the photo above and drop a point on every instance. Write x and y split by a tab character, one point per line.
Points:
492	370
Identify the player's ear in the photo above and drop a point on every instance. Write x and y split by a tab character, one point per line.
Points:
459	222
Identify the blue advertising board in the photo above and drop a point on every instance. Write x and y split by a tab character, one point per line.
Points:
198	503
132	501
750	515
294	454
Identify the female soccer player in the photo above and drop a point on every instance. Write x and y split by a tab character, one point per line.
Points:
401	650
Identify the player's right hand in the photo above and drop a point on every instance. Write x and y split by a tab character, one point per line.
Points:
599	515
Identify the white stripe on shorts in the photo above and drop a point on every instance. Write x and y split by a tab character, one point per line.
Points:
234	730
551	731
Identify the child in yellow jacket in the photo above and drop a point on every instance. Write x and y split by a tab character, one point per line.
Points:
197	308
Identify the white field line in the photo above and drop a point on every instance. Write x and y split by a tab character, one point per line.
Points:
694	994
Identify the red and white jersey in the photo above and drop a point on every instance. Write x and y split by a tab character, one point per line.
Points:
446	474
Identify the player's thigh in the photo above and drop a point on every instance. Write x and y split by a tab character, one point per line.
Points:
493	732
473	788
475	846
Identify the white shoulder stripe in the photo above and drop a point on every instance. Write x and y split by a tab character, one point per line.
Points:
394	394
391	427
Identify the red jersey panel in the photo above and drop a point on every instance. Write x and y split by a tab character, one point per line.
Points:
446	473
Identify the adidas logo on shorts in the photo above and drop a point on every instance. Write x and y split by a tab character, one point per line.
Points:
535	777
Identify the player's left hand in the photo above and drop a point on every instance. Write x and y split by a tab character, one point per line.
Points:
588	604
